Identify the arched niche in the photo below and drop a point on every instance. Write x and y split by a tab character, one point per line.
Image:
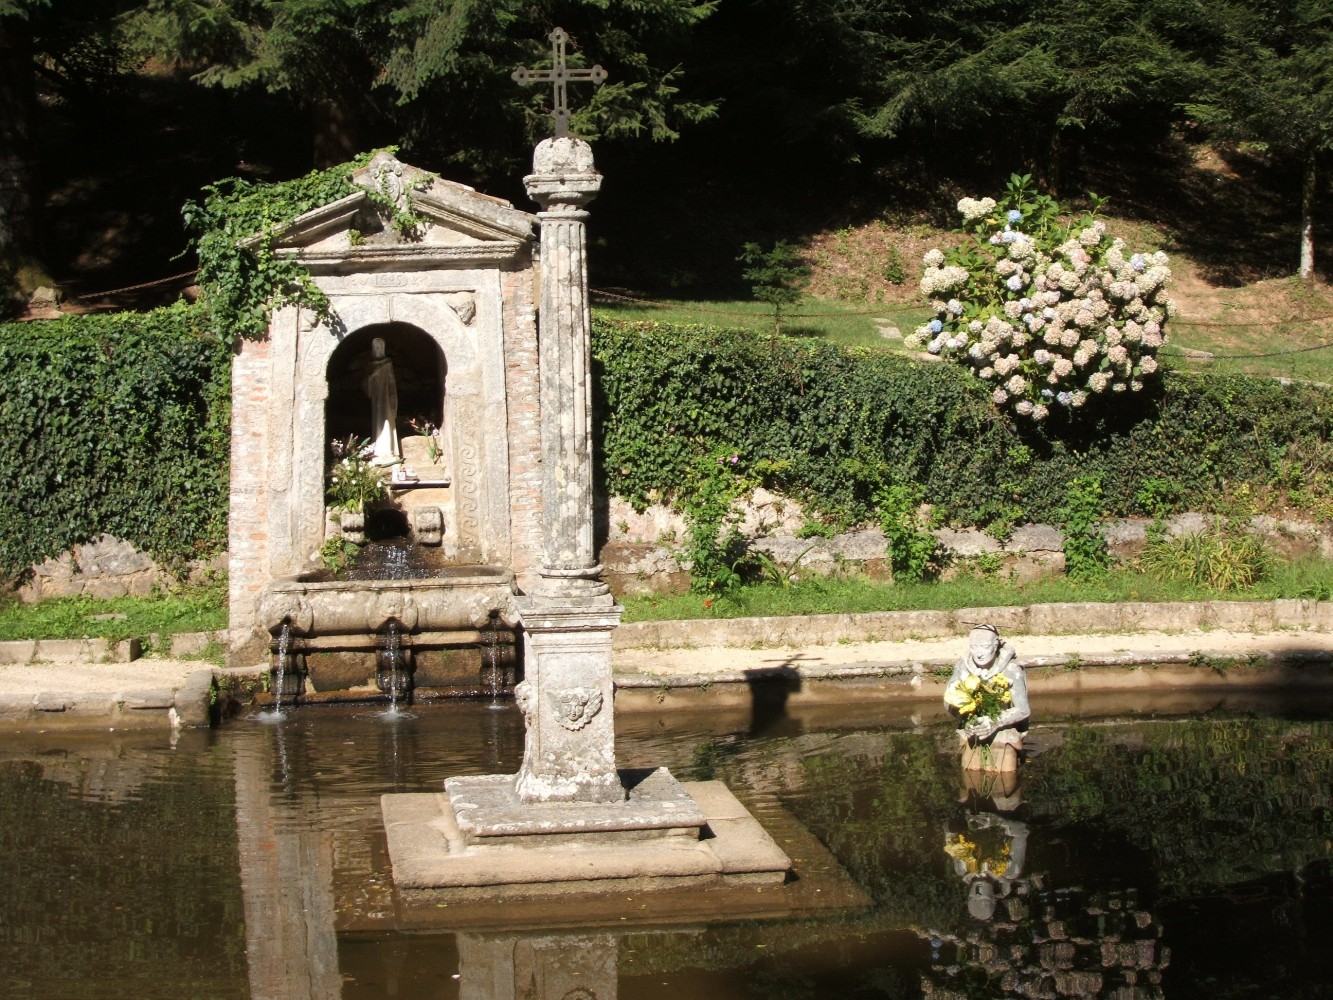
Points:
420	372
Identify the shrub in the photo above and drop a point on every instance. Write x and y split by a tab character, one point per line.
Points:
114	423
1046	314
830	427
914	553
1226	558
1086	555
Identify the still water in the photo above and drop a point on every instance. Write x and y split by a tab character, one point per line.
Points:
1140	857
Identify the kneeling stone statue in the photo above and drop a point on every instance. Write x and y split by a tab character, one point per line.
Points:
988	693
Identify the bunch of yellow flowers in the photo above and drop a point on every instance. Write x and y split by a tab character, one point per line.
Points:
975	696
981	854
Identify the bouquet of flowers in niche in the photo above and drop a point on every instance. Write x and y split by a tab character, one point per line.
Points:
428	430
1048	314
354	481
975	697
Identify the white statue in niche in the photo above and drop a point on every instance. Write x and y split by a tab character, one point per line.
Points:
380	386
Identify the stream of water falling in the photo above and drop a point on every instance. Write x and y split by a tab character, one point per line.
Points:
284	644
279	674
392	650
490	653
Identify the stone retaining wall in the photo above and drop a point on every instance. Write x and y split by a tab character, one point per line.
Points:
642	554
1036	619
106	567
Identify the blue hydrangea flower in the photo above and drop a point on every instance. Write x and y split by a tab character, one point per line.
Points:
1014	215
1064	398
1015	283
1047	393
1138	263
935	326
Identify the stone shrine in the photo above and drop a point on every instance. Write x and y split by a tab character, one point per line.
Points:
442	325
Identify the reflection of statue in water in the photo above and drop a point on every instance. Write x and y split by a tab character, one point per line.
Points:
989	858
988	693
380	386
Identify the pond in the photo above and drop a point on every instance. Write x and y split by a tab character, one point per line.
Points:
1140	857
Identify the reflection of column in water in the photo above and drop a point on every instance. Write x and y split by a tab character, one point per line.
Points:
286	884
542	967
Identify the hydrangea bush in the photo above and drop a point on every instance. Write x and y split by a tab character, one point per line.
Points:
1048	313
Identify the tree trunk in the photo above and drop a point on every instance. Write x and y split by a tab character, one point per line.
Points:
1308	184
18	171
335	132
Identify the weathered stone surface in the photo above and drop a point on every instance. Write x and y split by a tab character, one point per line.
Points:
489	811
18	651
428	850
567	701
185	645
967	541
1060	619
1035	538
1240	616
630	568
1005	619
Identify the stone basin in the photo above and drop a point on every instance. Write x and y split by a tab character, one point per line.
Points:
446	620
457	598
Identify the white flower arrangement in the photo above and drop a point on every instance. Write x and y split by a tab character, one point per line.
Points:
1049	314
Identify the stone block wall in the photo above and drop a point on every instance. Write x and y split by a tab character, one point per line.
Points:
523	392
106	567
642	551
247	546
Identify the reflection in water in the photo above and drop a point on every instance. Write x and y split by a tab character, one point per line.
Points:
251	862
1025	939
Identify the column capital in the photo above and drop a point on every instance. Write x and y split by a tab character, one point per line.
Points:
563	175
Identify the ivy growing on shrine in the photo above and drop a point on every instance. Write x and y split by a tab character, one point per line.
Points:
235	228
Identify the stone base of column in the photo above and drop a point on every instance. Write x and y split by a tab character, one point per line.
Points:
567	699
665	834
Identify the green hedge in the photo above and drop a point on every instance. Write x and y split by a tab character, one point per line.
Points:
113	423
830	426
119	423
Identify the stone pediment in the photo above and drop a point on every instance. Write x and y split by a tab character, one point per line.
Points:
460	226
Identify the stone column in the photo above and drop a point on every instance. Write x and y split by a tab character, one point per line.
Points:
562	183
569	753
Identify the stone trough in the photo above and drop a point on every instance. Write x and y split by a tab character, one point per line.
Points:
455	629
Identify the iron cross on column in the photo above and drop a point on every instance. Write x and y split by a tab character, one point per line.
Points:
559	74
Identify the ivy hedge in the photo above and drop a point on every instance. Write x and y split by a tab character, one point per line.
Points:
833	427
113	423
119	423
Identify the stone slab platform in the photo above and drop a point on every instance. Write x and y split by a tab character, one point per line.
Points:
428	850
489	811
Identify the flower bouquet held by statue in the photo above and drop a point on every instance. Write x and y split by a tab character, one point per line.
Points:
987	693
980	701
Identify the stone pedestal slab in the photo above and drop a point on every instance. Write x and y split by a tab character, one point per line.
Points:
428	848
489	812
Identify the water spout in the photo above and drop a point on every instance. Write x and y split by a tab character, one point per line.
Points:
490	654
284	644
393	674
393	651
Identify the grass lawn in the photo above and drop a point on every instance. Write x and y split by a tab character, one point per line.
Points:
189	609
1308	577
851	324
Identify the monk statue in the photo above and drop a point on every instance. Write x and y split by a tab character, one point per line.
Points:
988	694
380	386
